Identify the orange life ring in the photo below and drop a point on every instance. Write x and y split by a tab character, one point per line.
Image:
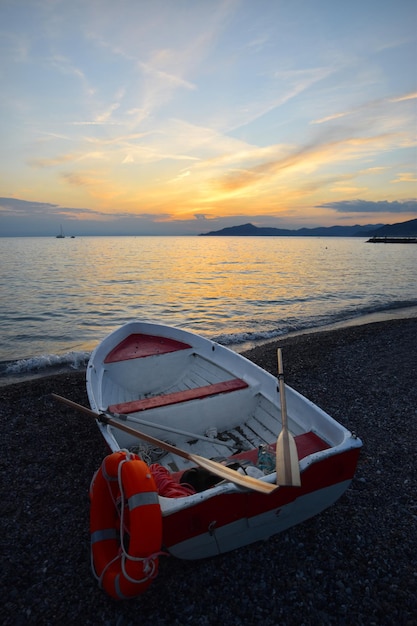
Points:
124	482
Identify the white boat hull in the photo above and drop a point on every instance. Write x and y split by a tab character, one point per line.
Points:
260	527
207	400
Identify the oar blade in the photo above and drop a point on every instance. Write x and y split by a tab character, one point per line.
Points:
232	475
287	464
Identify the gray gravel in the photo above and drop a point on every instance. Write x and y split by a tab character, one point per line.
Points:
353	564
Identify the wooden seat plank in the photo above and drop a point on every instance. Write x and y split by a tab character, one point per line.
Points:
176	397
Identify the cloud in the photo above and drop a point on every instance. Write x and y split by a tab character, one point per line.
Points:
406	177
123	140
307	156
96	123
52	162
81	179
367	206
329	149
42	163
105	116
66	66
30	208
408	96
286	85
182	175
370	105
15	206
165	77
18	207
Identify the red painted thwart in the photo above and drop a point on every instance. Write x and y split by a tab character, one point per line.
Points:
176	397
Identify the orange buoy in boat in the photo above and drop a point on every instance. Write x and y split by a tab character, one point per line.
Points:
125	525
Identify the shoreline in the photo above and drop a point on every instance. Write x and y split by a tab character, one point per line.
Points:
355	563
361	320
386	315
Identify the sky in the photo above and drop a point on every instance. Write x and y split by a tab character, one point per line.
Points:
180	117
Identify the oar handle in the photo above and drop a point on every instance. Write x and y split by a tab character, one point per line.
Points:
281	384
280	365
105	419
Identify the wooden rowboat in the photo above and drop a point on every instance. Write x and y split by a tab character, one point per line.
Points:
201	401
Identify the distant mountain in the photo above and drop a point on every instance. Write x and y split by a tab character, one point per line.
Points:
337	231
249	230
402	229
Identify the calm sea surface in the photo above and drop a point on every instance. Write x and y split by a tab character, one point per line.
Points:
60	297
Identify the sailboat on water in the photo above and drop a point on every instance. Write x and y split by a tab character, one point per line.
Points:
61	234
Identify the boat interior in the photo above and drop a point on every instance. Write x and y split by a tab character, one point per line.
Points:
200	406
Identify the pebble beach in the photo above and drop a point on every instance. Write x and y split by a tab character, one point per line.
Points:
353	564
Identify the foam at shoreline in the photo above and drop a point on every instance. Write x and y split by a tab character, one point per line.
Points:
48	365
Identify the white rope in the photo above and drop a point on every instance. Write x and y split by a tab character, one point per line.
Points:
148	454
100	580
149	565
119	502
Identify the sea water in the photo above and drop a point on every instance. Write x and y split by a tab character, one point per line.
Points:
61	297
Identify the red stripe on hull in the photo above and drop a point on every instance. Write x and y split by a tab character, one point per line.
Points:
228	508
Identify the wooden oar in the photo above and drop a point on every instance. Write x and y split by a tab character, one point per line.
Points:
212	466
287	465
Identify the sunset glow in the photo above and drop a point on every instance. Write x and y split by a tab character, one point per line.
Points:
181	116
